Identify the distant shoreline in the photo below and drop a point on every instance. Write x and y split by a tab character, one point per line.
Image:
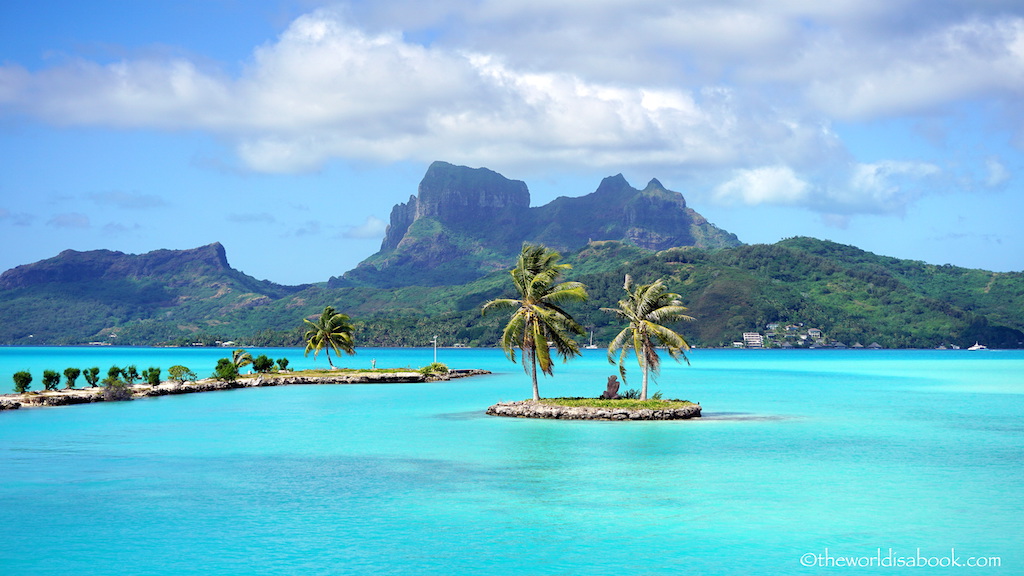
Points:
73	396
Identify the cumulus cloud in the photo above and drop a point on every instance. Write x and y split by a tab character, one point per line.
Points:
668	88
326	89
766	185
373	228
964	60
865	188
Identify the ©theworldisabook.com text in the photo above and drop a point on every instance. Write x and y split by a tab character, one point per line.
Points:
891	559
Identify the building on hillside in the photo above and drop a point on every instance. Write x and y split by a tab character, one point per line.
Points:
753	340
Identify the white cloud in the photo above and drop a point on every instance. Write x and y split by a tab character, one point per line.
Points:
996	173
373	228
882	187
767	185
327	90
875	188
964	60
691	89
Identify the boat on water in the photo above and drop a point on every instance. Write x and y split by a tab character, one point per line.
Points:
978	346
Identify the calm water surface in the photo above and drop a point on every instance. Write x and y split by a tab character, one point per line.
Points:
920	452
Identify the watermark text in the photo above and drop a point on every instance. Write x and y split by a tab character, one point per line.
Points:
889	558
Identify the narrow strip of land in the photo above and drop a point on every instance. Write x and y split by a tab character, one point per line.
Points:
70	396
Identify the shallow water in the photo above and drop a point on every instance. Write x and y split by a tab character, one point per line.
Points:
854	451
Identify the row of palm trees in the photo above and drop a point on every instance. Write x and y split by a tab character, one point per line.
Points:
539	322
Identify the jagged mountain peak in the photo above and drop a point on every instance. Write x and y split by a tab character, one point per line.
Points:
465	222
654	184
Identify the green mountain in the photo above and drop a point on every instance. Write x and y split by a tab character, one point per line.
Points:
78	297
465	223
452	246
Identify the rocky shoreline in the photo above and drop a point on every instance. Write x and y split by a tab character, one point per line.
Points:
532	409
68	397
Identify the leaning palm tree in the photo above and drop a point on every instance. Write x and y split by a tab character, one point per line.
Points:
538	321
241	358
647	309
331	330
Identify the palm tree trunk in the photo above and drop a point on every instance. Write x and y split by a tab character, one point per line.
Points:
533	375
328	350
644	369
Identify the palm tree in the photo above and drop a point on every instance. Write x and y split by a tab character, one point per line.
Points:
647	309
241	358
331	330
538	321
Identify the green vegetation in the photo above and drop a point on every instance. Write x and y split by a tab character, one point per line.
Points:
331	330
182	374
240	358
92	376
70	375
282	363
645	309
226	370
538	320
262	364
850	294
152	376
130	374
116	390
651	404
51	378
434	368
22	381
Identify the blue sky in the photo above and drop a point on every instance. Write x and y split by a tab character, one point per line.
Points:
287	129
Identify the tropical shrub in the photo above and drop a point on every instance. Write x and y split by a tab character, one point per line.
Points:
282	363
116	390
434	368
262	364
113	372
70	375
51	378
152	376
130	374
22	380
181	373
226	371
92	376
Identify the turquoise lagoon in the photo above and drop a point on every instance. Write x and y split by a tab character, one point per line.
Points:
806	461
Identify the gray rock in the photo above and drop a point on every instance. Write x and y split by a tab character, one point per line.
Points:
531	409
